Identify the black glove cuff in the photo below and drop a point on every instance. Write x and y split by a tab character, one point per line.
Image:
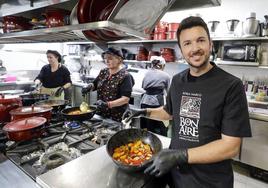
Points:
183	156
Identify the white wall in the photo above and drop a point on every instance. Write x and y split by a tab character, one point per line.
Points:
26	56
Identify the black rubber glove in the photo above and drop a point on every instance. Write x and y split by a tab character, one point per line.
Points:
86	89
165	160
101	104
59	92
132	113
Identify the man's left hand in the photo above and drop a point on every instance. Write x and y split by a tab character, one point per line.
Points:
165	160
59	92
101	104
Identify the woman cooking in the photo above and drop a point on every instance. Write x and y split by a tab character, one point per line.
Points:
53	78
113	85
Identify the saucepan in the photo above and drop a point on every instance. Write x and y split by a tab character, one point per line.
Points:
57	105
25	129
126	136
6	105
74	114
30	111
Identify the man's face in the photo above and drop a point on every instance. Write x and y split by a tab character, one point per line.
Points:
195	46
112	61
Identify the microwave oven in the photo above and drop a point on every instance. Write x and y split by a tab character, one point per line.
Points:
240	52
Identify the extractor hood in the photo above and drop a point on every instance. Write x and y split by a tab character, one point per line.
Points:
128	20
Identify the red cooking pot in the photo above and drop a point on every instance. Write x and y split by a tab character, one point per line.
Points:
6	105
25	129
30	111
15	23
56	17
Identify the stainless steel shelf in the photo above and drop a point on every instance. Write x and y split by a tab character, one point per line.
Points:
237	63
240	39
175	40
65	33
141	41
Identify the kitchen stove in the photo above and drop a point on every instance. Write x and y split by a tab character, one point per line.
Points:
62	142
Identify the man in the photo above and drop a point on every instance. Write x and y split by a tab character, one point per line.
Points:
209	110
114	86
155	83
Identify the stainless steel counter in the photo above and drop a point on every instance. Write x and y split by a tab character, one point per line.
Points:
12	176
94	169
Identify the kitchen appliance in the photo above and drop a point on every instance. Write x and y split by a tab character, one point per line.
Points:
240	52
250	26
212	26
231	25
264	27
61	143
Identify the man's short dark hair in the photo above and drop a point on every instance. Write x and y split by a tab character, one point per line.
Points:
190	22
55	53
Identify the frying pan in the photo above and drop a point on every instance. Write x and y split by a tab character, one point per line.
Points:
129	135
29	99
78	117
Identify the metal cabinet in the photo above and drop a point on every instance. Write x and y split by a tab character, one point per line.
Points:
254	150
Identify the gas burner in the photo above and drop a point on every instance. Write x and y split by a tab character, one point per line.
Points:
57	155
62	142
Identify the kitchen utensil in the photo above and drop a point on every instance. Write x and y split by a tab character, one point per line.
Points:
232	24
25	129
56	17
31	98
57	105
84	107
126	136
6	105
30	111
15	23
83	10
78	117
74	20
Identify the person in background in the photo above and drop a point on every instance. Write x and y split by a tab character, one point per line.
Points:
114	86
209	110
3	69
155	83
53	78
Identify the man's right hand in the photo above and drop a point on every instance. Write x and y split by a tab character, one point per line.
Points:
86	89
132	113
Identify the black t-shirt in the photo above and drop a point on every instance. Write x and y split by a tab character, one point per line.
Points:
54	79
203	108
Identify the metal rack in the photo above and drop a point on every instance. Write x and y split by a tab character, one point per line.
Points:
65	33
119	21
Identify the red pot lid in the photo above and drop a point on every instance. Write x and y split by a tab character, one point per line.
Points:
30	110
24	124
